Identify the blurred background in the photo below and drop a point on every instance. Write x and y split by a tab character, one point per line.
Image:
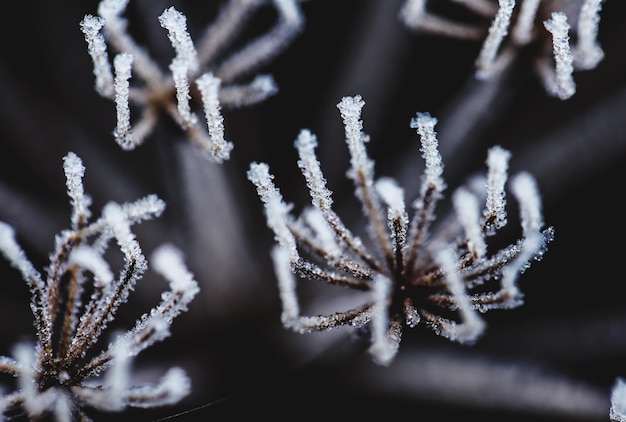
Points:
553	359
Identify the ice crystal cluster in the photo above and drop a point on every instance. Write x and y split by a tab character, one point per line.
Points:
201	71
445	275
516	22
71	366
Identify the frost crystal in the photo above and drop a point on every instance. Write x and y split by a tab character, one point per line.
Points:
158	92
513	26
74	305
415	272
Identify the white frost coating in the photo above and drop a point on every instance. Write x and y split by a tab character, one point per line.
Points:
350	109
97	49
587	52
123	135
176	24
467	210
562	85
309	165
525	189
129	246
275	208
383	349
425	125
209	87
180	70
522	32
472	325
286	285
17	258
167	260
617	412
144	208
74	173
87	258
497	173
393	196
497	31
259	174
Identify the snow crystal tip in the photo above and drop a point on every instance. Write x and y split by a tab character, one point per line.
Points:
495	210
351	106
96	47
122	64
209	86
176	24
499	28
424	123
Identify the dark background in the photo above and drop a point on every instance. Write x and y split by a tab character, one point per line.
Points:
553	359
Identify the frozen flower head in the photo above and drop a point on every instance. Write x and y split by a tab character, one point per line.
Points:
444	276
70	366
565	30
200	72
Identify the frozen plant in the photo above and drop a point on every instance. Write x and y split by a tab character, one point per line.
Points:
216	79
517	23
444	277
76	301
